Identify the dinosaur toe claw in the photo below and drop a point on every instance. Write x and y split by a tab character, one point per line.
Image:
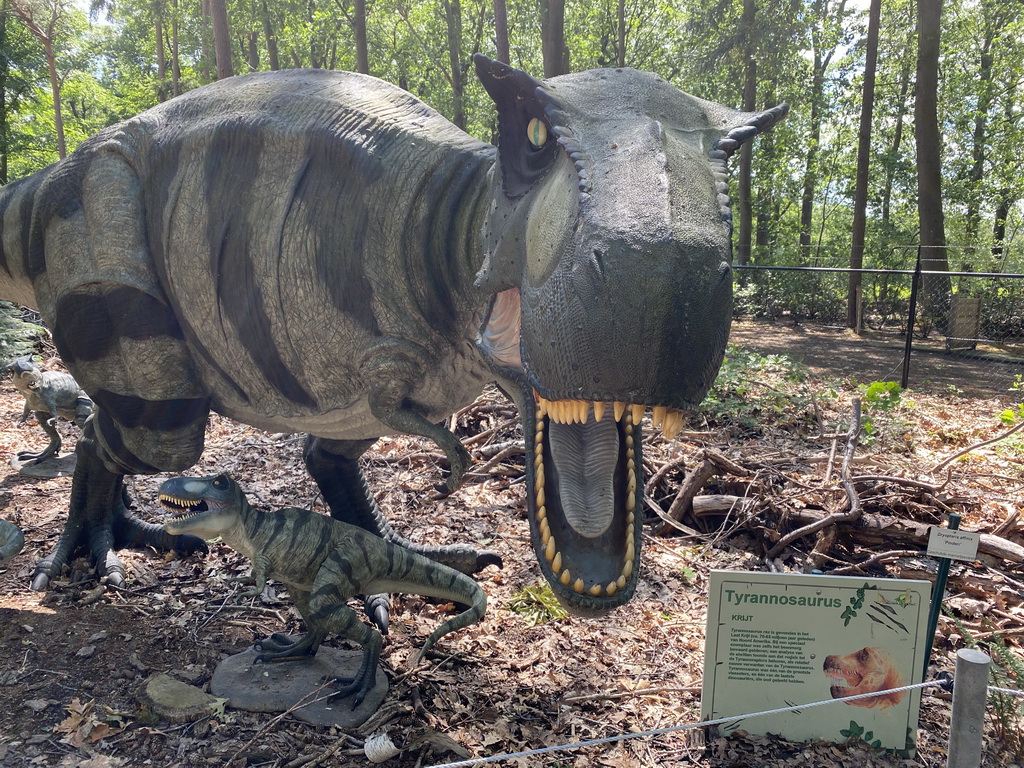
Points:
378	610
41	582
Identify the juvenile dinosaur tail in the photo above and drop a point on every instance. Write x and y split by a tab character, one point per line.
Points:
477	602
414	574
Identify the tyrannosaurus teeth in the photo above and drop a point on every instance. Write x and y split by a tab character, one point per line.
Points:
618	409
658	414
598	410
637	412
673	423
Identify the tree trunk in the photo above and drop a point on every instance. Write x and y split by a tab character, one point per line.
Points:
929	164
453	19
252	50
860	198
620	24
972	223
744	201
811	167
1004	202
552	31
58	116
161	57
270	36
897	141
175	59
501	31
359	29
221	38
5	72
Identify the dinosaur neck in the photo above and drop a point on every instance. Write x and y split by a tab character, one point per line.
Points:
244	537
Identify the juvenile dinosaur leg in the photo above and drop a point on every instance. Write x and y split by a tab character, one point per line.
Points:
47	423
281	647
337	580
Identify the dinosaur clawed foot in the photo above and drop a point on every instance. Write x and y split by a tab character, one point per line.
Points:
35	457
103	534
356	687
282	647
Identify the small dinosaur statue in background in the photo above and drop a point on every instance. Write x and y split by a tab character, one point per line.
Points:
49	395
323	562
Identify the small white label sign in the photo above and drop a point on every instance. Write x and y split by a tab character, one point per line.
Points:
955	545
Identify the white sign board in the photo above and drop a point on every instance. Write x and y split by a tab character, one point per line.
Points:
775	640
954	545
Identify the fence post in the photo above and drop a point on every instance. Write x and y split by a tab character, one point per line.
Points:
915	284
970	694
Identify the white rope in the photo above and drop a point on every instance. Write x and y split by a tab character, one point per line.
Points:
676	728
1008	691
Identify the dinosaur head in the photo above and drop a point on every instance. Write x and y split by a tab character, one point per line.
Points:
207	507
608	251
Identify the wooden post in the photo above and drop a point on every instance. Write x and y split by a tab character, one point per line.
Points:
970	694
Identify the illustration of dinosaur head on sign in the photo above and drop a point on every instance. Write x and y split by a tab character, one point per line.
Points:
865	671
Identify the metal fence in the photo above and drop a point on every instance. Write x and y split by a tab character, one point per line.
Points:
978	350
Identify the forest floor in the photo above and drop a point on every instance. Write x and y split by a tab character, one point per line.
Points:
75	658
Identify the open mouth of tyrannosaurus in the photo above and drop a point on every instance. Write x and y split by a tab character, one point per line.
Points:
584	479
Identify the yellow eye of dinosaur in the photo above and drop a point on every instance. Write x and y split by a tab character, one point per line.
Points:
537	132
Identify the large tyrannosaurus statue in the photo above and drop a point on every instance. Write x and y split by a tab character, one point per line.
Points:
321	252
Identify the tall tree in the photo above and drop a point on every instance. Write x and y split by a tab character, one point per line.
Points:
221	38
359	30
745	199
931	219
42	18
501	31
860	199
552	32
827	21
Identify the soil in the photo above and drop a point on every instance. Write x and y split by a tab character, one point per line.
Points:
75	658
874	356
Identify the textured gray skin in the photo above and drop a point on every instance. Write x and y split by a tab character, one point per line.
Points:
49	395
321	252
11	540
323	562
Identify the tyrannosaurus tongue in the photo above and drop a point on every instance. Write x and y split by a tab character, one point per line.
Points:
585	456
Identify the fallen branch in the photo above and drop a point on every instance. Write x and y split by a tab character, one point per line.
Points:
855	511
942	464
882	531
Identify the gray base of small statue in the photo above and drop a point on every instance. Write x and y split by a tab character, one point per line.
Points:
278	686
59	466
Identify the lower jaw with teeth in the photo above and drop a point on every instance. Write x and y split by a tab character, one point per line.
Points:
578	412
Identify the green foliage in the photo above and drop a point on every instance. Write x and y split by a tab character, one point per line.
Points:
537	605
856	603
857	732
883	395
745	390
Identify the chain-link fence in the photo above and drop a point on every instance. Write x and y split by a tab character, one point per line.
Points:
970	340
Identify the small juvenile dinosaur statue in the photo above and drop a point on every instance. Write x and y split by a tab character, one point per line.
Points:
49	395
323	562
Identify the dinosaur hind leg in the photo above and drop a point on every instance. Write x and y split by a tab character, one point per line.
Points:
52	449
334	465
98	518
